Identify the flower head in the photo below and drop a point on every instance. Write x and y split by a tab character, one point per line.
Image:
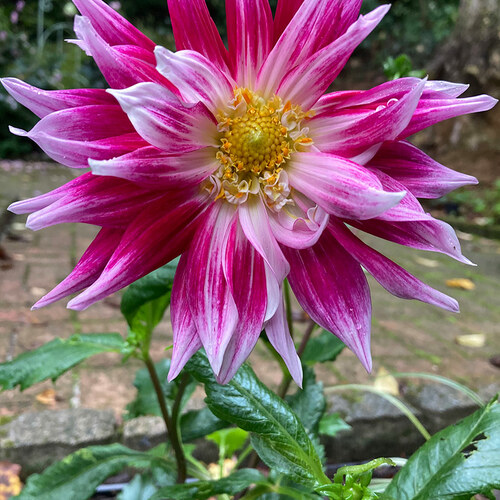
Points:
238	160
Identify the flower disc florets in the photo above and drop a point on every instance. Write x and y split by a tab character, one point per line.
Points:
258	137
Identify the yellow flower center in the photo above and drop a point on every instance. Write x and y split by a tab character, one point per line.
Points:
258	136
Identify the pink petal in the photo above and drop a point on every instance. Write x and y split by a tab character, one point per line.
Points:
88	269
392	277
164	121
119	67
196	78
44	102
156	236
211	302
431	111
351	131
112	27
306	83
151	167
71	136
419	173
331	287
246	277
186	339
195	30
339	186
285	11
249	33
316	24
437	89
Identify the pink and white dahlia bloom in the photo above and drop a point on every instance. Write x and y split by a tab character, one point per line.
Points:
236	159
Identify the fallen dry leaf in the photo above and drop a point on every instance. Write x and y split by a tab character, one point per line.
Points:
426	262
10	484
472	340
47	397
462	283
385	382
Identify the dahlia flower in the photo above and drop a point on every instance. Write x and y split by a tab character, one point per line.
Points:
237	159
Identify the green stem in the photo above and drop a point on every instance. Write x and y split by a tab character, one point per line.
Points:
171	429
288	305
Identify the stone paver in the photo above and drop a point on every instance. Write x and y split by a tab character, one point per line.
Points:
407	335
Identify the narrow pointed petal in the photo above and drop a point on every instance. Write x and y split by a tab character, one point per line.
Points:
351	131
196	78
418	172
309	80
339	186
153	168
111	26
431	111
255	223
392	277
120	68
249	33
316	24
438	89
194	29
88	269
246	277
44	102
164	121
211	302
72	136
285	11
157	235
186	339
279	335
331	287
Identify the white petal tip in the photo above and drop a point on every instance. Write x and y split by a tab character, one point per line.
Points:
77	304
18	131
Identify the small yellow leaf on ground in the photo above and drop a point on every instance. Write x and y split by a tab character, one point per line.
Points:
426	262
385	382
462	283
47	397
473	340
10	484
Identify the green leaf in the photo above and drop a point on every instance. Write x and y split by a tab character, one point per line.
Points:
142	487
201	490
55	358
78	475
145	301
458	462
325	347
198	423
332	424
229	441
278	435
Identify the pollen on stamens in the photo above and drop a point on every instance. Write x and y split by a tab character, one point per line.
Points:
258	137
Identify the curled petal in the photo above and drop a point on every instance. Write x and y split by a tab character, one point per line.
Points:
164	121
340	186
392	277
332	288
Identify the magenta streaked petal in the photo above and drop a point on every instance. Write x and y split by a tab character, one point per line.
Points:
254	220
316	24
437	89
431	235
196	78
331	287
285	11
349	132
186	339
156	236
328	103
213	308
44	102
111	26
309	80
246	277
279	335
431	111
249	34
153	168
120	69
194	29
164	121
418	172
392	277
340	186
88	269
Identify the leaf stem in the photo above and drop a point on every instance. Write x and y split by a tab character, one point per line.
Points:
288	305
171	428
